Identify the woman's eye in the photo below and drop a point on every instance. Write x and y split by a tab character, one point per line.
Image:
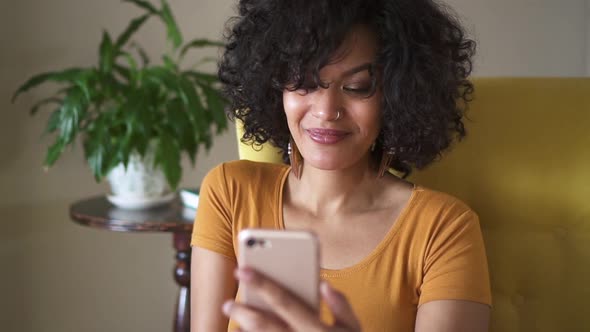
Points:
360	90
305	89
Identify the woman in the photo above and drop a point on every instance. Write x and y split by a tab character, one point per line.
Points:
348	90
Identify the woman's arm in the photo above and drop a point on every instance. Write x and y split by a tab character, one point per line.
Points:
452	316
455	290
212	283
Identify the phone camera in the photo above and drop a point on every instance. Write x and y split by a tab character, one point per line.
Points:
251	242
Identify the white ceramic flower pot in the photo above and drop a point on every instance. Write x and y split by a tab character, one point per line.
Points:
140	185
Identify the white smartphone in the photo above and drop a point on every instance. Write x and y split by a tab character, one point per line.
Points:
290	258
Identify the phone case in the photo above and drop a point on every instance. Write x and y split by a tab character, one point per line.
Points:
290	258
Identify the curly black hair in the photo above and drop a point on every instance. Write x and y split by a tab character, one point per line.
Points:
424	59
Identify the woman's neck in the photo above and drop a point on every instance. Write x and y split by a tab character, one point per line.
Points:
325	193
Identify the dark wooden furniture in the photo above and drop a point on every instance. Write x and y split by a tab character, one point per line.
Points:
97	212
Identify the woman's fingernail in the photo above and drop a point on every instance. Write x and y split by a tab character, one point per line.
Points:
227	307
324	288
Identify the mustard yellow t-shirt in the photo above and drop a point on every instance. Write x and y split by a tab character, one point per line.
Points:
433	251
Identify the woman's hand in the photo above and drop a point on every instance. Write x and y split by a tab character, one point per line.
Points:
289	313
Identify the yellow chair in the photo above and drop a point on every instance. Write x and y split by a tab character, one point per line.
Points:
266	152
525	168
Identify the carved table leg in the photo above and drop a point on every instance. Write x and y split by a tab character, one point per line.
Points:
182	276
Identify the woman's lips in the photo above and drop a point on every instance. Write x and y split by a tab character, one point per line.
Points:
326	136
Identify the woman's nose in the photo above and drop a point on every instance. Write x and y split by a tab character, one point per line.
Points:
327	105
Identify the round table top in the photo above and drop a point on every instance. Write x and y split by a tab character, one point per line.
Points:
98	212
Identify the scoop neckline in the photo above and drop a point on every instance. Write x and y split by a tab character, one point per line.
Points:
375	253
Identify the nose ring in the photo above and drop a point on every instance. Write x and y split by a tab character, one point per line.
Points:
337	116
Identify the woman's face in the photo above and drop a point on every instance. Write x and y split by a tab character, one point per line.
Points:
334	127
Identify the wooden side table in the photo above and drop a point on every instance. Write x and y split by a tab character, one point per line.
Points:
97	212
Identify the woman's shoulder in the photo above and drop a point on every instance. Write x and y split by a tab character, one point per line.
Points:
439	198
439	215
440	205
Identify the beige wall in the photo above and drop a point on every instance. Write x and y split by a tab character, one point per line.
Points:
56	276
528	37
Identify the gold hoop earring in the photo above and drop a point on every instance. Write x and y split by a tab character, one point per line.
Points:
295	158
385	161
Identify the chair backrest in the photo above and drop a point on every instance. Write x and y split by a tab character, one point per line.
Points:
265	152
525	169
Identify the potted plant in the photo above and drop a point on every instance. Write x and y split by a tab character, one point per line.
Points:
132	115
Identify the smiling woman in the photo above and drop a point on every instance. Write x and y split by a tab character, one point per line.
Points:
347	90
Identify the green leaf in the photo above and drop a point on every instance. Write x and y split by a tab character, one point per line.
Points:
68	75
161	75
199	43
145	5
124	72
131	73
206	138
130	61
173	33
178	120
194	106
191	149
53	152
141	145
97	145
169	63
71	113
109	88
84	83
115	153
44	102
95	155
168	157
52	122
106	53
215	106
131	29
138	121
126	143
145	59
